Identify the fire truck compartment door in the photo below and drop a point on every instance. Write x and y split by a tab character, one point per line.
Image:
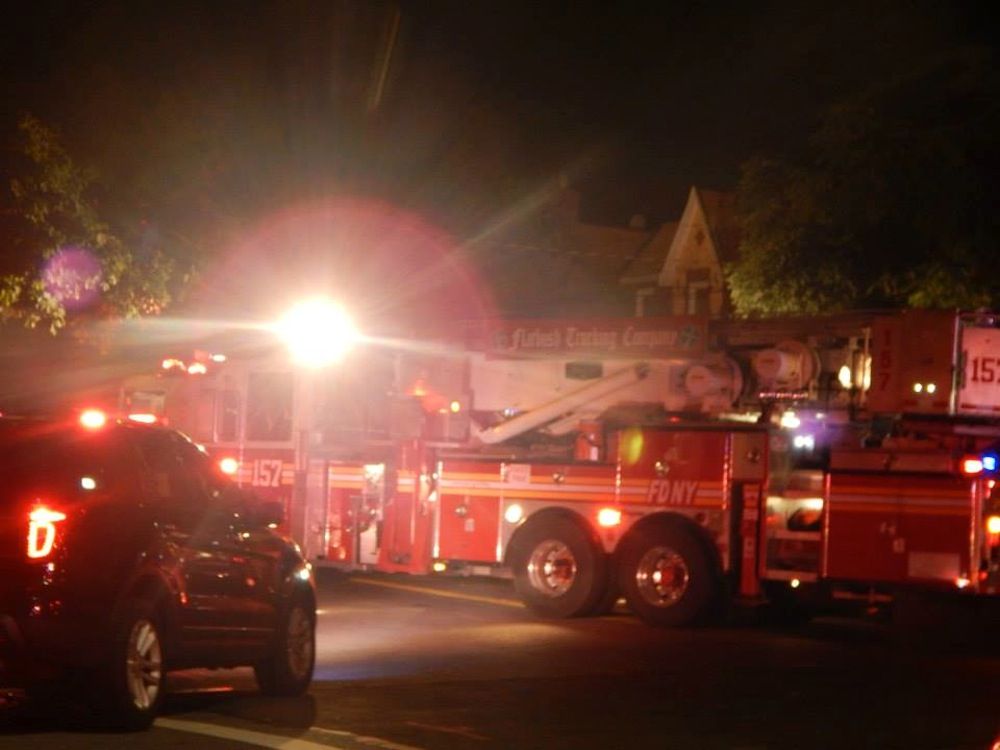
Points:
865	539
901	526
936	521
469	528
683	468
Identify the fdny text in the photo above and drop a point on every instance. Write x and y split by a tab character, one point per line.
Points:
672	491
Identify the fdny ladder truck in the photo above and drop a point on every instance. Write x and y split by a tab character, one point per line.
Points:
677	465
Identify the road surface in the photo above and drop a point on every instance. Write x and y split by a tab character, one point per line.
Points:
443	664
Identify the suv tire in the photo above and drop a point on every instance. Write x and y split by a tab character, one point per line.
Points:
131	686
288	668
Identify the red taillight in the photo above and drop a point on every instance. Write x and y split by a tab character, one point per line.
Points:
42	531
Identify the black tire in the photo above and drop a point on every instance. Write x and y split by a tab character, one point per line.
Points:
132	683
288	667
609	596
667	576
558	569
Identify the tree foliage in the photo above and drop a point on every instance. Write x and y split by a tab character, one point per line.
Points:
890	204
52	210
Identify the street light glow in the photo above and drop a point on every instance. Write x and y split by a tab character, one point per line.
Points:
317	332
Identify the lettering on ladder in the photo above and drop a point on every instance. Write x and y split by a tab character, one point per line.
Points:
672	491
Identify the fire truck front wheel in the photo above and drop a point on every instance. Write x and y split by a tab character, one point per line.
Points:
558	570
667	576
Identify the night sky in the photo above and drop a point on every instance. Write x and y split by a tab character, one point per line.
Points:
377	137
636	102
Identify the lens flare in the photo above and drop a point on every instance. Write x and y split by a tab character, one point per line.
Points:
73	277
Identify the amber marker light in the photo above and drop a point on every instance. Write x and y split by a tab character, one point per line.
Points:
172	363
608	517
514	513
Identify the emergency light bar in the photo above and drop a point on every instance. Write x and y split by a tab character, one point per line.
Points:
984	464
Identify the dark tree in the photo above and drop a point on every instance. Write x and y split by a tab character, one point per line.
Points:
61	253
891	204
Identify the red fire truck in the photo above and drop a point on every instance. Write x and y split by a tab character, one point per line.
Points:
678	465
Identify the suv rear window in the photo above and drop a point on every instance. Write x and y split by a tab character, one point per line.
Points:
37	462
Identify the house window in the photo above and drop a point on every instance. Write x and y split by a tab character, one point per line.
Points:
698	288
654	301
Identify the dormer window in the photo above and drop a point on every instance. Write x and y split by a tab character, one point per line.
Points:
697	286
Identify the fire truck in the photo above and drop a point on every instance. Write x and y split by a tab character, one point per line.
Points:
678	464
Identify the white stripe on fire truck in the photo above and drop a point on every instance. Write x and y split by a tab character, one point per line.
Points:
539	486
909	506
955	501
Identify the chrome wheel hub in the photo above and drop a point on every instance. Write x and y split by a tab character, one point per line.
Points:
144	664
662	576
299	642
552	568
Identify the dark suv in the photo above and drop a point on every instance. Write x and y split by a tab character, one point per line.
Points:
125	553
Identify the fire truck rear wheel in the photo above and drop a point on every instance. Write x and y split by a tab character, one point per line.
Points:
558	569
667	576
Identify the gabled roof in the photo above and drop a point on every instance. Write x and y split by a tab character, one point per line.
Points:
644	267
551	263
720	213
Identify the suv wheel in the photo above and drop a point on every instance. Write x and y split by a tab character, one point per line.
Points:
288	667
133	683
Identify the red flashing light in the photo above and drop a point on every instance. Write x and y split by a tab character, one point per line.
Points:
972	466
229	465
42	531
93	419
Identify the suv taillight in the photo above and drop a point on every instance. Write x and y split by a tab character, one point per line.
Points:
43	529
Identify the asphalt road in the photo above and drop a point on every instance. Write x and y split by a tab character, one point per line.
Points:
458	664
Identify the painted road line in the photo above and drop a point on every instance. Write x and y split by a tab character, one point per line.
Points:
466	732
245	736
437	592
344	740
360	740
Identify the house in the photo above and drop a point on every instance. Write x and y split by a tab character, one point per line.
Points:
679	271
553	264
